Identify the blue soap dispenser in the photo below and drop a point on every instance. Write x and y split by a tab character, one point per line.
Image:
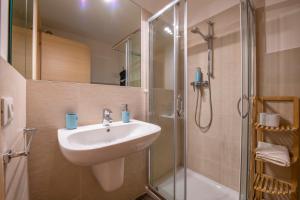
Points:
125	114
198	75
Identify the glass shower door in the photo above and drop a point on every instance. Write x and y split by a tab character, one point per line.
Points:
248	91
166	103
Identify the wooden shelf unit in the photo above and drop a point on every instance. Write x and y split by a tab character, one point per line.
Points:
271	185
261	182
280	129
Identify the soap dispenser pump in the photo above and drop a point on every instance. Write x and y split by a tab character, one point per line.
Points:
198	75
125	114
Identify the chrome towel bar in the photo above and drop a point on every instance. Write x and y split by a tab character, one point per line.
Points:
10	154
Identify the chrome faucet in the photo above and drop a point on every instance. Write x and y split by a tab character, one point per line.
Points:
106	117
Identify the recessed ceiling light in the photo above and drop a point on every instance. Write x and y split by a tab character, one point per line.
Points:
168	30
83	4
112	4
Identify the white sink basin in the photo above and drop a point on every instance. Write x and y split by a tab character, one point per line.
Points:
104	148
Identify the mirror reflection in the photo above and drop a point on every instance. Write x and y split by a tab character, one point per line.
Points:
20	36
93	42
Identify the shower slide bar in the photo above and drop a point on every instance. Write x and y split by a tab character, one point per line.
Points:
10	154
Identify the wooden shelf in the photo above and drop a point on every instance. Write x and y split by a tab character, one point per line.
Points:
271	185
260	127
262	183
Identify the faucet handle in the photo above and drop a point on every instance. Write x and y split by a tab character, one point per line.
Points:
106	116
106	111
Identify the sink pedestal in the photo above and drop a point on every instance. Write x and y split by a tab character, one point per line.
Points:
110	174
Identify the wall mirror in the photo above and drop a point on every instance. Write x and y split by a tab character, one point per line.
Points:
20	36
83	41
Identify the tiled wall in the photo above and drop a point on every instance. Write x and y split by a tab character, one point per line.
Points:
162	150
278	64
12	84
278	70
216	153
51	175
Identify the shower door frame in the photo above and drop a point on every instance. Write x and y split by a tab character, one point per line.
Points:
248	71
248	90
174	4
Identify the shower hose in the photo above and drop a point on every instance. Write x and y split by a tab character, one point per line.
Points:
204	128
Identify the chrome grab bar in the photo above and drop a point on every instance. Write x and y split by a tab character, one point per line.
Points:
248	106
180	106
10	154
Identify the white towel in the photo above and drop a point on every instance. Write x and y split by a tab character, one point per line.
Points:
272	153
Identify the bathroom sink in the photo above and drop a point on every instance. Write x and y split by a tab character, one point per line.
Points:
104	147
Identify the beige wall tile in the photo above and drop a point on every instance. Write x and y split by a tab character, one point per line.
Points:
134	183
12	84
218	150
51	175
47	103
278	64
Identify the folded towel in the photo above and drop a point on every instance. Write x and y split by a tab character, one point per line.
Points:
272	153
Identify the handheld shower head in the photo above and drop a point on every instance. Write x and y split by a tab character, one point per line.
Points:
196	30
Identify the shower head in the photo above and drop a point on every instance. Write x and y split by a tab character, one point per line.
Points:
196	30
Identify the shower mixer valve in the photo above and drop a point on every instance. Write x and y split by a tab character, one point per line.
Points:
199	84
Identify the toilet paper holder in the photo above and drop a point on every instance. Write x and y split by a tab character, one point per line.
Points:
10	154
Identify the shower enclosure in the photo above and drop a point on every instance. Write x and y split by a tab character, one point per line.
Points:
166	100
187	163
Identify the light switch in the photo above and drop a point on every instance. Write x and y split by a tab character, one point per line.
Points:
7	110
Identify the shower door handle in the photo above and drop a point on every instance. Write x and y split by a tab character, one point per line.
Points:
179	103
244	97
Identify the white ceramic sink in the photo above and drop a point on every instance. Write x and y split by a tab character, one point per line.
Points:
104	148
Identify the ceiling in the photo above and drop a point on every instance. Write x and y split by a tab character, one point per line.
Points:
152	5
111	22
99	20
198	10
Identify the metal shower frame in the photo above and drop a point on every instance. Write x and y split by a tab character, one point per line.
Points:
247	66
